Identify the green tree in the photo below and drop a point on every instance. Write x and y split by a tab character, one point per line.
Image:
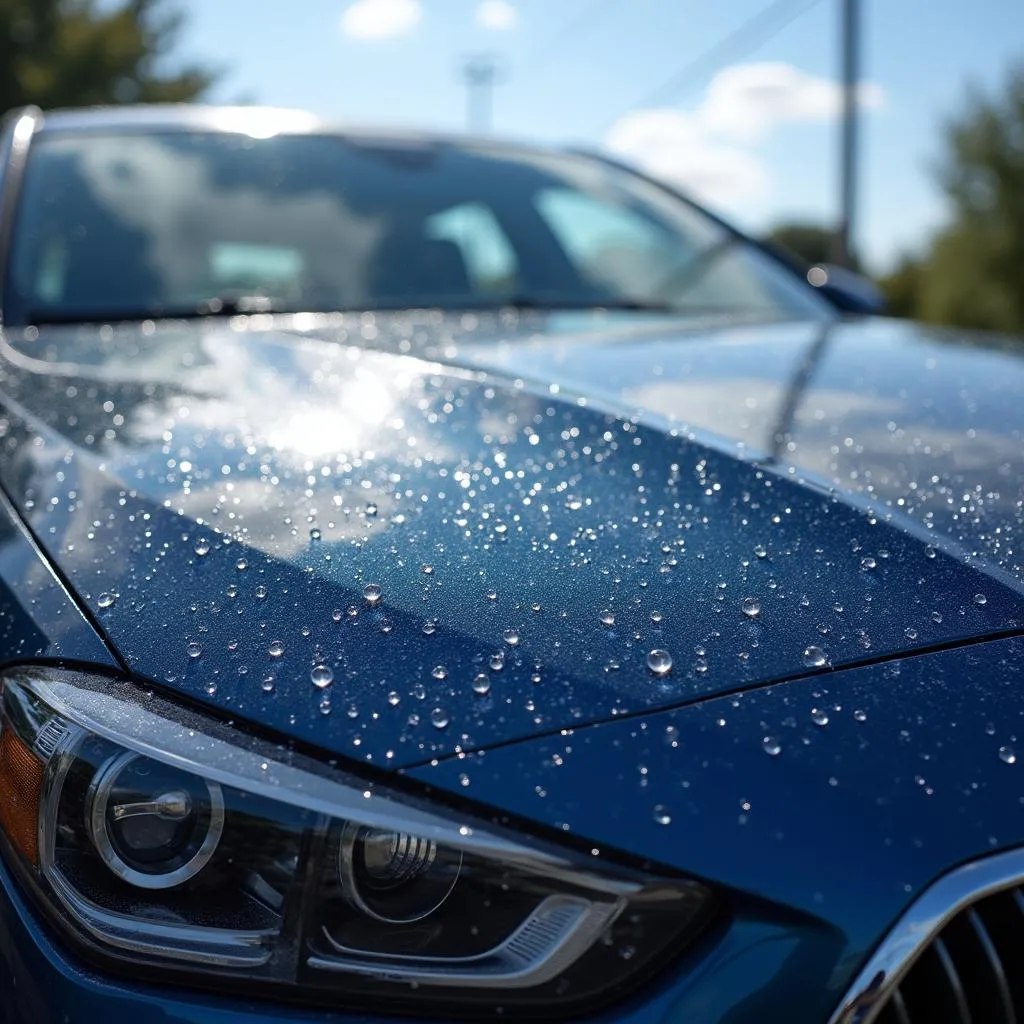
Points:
974	274
73	53
803	242
809	243
902	287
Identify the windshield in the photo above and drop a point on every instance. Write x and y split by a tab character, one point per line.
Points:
138	225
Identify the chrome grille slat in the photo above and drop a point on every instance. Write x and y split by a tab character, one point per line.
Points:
995	965
955	955
953	978
1018	898
899	1007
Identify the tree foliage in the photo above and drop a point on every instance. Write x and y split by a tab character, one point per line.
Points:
810	243
973	274
73	53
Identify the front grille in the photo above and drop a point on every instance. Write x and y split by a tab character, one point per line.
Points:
971	972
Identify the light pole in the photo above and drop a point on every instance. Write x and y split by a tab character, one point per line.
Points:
850	61
480	73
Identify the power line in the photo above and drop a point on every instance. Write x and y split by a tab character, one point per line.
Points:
748	37
582	20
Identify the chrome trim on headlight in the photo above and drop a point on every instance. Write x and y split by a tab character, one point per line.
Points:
99	794
550	939
908	939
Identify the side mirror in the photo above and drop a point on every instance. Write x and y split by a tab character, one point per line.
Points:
846	290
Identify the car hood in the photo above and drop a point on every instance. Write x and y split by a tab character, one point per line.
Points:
470	531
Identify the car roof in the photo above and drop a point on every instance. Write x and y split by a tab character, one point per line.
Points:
259	121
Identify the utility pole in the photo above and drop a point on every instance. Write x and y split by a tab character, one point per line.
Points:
480	73
850	60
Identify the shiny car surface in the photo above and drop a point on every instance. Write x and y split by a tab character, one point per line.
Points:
443	578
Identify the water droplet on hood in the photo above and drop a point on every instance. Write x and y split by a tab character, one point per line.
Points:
276	649
819	717
194	650
481	684
260	592
980	599
241	565
439	718
867	564
661	815
771	746
202	547
497	662
321	676
607	617
315	534
751	607
760	550
1008	755
372	594
106	599
439	672
815	657
659	662
511	637
656	617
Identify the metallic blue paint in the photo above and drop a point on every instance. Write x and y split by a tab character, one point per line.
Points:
39	619
322	466
886	776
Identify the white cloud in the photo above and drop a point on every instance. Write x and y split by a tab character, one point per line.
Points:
380	19
497	15
676	147
748	100
711	151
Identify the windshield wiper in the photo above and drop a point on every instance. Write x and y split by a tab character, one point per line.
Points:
232	304
243	305
554	304
217	305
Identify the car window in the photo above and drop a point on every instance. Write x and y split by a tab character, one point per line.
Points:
145	223
612	245
483	246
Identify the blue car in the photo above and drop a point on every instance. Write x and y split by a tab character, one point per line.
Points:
453	580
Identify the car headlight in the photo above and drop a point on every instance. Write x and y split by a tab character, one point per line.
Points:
158	838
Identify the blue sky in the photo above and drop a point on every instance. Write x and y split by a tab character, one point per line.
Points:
755	136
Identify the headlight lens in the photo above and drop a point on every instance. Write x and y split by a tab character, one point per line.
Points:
159	837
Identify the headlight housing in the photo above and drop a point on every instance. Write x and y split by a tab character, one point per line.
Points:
160	839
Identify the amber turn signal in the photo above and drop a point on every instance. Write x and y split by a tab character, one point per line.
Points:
21	782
